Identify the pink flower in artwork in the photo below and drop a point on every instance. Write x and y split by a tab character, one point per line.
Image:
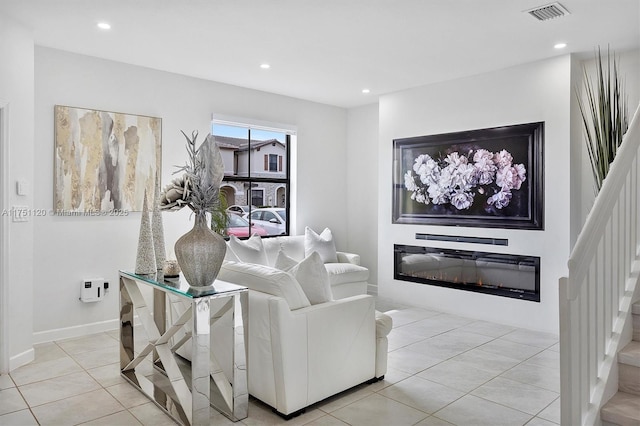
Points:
522	174
503	159
485	167
500	199
511	177
462	200
456	180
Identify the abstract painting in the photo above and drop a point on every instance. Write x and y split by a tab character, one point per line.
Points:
104	161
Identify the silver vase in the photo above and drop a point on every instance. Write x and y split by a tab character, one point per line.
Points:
200	253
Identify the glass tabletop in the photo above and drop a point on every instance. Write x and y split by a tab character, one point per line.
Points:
180	286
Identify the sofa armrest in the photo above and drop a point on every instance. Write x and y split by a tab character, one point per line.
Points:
344	257
333	307
313	352
341	343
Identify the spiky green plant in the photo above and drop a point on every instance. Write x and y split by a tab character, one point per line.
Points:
604	116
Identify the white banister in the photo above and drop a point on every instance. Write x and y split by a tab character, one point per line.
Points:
595	297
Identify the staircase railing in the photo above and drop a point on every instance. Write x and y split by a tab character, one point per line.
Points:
595	298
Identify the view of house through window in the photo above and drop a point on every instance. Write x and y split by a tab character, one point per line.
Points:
256	181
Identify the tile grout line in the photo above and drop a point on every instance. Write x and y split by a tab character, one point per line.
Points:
458	328
84	370
469	393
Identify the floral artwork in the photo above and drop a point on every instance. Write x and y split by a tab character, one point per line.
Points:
457	179
487	177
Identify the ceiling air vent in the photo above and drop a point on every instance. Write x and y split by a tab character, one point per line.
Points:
549	11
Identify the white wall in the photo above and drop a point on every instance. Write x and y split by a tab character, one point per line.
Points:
16	89
68	249
577	156
539	91
354	147
362	187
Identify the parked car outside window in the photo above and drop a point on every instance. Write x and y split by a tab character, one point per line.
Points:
273	220
239	227
239	210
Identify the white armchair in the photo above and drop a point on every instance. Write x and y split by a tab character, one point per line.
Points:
300	357
300	353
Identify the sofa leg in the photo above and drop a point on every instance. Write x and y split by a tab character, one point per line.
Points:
290	415
374	380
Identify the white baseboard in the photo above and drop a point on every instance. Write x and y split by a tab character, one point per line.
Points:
21	359
75	331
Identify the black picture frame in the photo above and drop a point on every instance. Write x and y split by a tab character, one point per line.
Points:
468	179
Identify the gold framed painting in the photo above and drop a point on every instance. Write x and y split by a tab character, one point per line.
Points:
104	161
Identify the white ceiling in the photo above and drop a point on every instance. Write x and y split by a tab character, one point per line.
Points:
326	50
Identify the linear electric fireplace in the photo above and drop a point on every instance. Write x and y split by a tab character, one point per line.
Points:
492	273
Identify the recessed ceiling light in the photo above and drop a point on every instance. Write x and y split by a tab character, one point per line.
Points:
560	45
365	91
265	66
104	25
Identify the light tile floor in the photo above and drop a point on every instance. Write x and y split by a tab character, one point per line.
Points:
443	370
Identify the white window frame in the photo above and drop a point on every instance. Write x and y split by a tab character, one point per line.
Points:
271	126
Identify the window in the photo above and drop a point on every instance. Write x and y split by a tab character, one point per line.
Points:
257	197
273	163
256	162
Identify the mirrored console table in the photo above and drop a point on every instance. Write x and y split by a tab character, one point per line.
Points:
190	352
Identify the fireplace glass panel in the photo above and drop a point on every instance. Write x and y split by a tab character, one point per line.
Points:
506	275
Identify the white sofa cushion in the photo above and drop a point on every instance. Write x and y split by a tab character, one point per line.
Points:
249	251
292	246
313	278
284	262
323	244
352	283
230	255
267	280
340	273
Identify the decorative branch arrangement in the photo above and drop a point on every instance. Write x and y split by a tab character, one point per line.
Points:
199	186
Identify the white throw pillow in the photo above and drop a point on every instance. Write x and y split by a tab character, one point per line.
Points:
249	251
284	262
322	244
313	278
230	256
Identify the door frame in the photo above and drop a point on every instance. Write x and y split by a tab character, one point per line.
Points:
5	237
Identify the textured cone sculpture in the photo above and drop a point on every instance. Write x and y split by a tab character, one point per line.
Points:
158	238
200	253
146	258
157	229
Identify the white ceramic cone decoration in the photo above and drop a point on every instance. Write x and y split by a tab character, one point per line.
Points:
146	258
157	229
